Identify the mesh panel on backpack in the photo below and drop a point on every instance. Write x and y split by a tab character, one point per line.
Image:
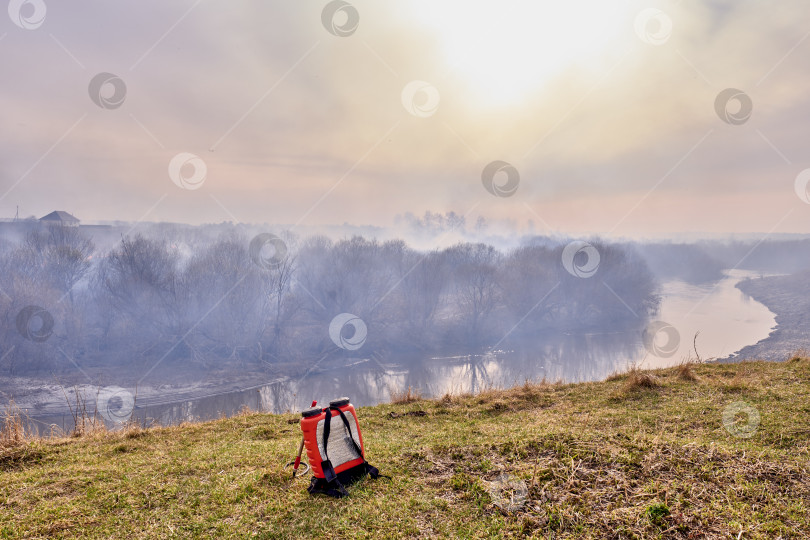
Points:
341	449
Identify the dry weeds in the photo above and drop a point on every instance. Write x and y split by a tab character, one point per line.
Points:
638	379
404	397
686	372
13	430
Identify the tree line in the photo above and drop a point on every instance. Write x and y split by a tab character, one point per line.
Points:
273	300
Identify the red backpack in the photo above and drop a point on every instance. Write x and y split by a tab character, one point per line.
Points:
335	448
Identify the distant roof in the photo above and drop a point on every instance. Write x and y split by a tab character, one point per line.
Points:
59	215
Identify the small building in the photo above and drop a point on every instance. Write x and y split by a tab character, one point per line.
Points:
59	217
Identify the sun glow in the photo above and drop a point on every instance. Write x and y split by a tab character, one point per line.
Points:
507	49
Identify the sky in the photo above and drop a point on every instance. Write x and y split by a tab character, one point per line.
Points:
623	119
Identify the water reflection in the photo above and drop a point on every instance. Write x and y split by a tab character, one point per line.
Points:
726	318
551	357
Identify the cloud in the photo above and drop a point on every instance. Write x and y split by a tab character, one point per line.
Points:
293	112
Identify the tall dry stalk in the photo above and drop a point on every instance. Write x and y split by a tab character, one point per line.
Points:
13	430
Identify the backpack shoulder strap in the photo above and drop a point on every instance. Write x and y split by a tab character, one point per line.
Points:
326	429
326	465
349	431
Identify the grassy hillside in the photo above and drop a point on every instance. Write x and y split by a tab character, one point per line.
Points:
638	456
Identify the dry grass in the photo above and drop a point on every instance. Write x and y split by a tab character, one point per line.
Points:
738	384
403	397
802	355
638	379
686	371
574	486
662	466
13	430
85	422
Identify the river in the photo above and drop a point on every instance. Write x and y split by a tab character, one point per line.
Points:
726	319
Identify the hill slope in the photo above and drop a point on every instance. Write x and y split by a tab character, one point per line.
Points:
634	456
786	297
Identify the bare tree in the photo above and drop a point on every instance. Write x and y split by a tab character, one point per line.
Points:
63	254
283	303
529	275
477	290
424	282
224	310
139	278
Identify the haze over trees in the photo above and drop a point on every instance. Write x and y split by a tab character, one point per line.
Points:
200	302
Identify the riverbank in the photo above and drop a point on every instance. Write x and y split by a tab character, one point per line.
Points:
174	393
787	297
711	451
